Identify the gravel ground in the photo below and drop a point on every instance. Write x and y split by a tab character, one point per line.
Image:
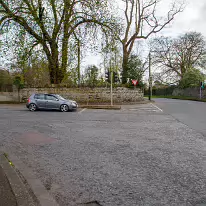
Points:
135	156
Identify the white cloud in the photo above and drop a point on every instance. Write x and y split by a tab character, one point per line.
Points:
191	19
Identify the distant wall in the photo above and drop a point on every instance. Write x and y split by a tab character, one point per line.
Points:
120	94
189	92
8	96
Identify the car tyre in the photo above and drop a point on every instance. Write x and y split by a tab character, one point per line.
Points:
64	108
32	107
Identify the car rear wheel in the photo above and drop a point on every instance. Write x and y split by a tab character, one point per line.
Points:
64	108
32	107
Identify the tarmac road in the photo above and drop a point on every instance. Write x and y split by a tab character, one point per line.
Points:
139	155
190	113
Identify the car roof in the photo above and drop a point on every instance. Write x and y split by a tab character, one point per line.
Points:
44	93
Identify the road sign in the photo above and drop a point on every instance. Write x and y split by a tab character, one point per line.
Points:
202	85
135	82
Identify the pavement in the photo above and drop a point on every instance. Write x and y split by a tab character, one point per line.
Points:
15	190
7	197
139	155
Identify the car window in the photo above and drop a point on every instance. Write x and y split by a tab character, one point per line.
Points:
50	97
39	96
60	97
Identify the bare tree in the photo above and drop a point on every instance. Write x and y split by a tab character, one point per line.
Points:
51	23
142	21
175	56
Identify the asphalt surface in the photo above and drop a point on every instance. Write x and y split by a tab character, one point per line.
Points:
190	113
139	155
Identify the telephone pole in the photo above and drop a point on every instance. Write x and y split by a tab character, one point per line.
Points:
79	60
111	81
150	78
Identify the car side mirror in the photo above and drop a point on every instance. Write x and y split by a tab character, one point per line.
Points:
57	99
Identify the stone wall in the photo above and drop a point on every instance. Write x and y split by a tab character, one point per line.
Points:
8	96
189	92
120	94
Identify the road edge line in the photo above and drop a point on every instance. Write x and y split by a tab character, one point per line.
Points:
156	107
82	110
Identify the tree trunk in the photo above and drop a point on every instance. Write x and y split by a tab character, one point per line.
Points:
52	72
18	89
125	65
55	73
64	55
65	42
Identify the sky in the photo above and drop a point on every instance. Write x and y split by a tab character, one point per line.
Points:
193	18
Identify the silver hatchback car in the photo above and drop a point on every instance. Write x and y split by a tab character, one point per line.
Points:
50	102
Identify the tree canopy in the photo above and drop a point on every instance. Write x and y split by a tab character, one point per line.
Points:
142	20
175	56
192	78
91	75
5	80
136	68
51	24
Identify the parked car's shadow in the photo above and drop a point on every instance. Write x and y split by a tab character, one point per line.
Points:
50	110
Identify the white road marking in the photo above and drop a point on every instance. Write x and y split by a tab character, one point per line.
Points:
82	110
156	107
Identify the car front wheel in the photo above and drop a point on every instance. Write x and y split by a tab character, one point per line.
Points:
32	107
64	108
